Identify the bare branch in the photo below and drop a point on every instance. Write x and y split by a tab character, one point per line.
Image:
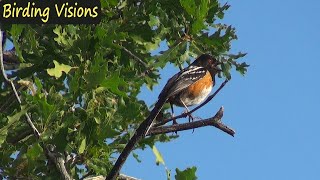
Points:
136	57
10	60
148	69
120	177
125	177
183	115
213	121
58	161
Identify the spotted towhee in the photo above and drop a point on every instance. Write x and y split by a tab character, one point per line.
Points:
188	87
193	84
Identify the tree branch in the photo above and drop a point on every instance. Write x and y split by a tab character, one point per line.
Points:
148	69
58	160
213	121
10	60
120	177
183	115
135	57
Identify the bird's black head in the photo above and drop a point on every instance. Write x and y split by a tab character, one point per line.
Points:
208	62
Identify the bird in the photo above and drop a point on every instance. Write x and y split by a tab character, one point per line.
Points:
192	85
188	87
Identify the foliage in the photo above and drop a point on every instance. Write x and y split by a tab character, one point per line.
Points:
83	97
187	174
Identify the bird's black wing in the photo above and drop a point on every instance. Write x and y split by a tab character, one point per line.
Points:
182	80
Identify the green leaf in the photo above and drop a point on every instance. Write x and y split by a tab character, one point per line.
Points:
34	152
45	109
17	116
74	81
3	135
60	139
11	120
113	83
66	36
38	84
154	21
187	174
242	68
61	35
197	26
82	146
203	9
189	6
159	158
58	69
136	157
97	120
16	31
226	70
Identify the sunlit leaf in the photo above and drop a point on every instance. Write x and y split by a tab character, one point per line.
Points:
34	152
159	159
82	146
3	134
58	69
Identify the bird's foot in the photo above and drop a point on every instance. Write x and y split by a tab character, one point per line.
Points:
192	118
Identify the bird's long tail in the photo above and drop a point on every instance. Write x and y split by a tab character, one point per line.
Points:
138	135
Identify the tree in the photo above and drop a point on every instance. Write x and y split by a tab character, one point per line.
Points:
78	84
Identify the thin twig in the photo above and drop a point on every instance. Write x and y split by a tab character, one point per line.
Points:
29	121
213	121
148	69
136	57
183	115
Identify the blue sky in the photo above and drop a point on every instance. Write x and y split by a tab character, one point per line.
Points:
274	108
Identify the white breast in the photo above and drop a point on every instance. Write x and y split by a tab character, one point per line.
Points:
190	101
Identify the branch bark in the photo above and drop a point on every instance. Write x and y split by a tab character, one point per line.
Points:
59	162
10	59
120	177
213	121
135	57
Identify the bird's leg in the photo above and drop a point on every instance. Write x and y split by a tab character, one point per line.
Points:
174	121
191	118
